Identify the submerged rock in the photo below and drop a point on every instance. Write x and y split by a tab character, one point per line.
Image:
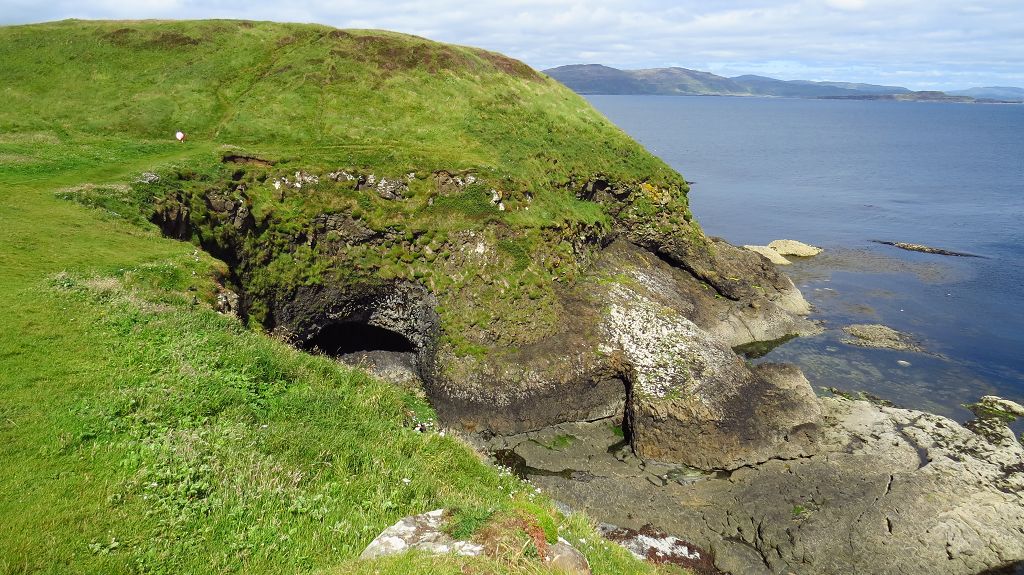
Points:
881	490
880	337
794	248
925	249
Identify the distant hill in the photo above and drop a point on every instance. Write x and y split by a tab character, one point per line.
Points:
1004	93
598	79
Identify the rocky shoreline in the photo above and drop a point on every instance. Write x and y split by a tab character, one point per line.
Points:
878	490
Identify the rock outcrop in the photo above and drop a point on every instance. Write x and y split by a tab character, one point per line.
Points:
645	330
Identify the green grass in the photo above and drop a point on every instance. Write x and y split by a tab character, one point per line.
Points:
141	432
317	99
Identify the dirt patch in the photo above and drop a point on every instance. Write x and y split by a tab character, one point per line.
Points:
509	66
243	159
171	40
122	36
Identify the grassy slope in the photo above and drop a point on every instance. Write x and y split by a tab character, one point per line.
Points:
319	99
142	432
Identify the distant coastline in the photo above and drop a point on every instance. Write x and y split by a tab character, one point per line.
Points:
597	79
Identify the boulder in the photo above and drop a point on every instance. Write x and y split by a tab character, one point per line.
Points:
565	558
772	255
794	248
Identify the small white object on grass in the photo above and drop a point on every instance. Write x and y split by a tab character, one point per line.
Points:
180	136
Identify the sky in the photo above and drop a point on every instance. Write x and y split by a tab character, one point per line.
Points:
920	44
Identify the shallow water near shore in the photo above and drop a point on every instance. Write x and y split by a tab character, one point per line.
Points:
839	174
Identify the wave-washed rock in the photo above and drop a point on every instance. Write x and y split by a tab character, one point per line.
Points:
880	337
794	248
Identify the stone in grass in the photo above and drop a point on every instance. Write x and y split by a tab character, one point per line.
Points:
794	248
420	532
772	255
565	558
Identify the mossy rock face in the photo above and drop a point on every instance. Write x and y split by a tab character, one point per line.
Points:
376	181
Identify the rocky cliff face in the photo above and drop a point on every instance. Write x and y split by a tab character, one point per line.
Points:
641	330
450	210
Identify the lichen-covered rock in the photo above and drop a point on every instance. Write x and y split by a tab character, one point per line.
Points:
999	404
794	248
420	533
768	314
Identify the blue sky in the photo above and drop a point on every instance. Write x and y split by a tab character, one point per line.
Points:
921	44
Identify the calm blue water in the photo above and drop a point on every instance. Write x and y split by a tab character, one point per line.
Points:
840	173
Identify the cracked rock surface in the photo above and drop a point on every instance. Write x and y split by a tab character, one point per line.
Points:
883	490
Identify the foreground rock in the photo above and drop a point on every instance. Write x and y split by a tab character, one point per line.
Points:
882	490
421	533
794	248
565	558
880	337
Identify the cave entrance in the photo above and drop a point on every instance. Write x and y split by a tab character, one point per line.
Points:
342	339
381	351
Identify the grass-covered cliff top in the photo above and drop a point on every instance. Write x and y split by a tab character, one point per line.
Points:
142	432
358	98
363	103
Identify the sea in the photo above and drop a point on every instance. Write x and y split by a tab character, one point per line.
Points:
841	174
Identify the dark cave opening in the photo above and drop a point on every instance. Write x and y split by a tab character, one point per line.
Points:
340	339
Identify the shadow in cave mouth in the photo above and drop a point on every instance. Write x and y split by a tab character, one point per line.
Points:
342	339
384	353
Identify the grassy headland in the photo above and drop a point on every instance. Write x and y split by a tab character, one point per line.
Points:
140	431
